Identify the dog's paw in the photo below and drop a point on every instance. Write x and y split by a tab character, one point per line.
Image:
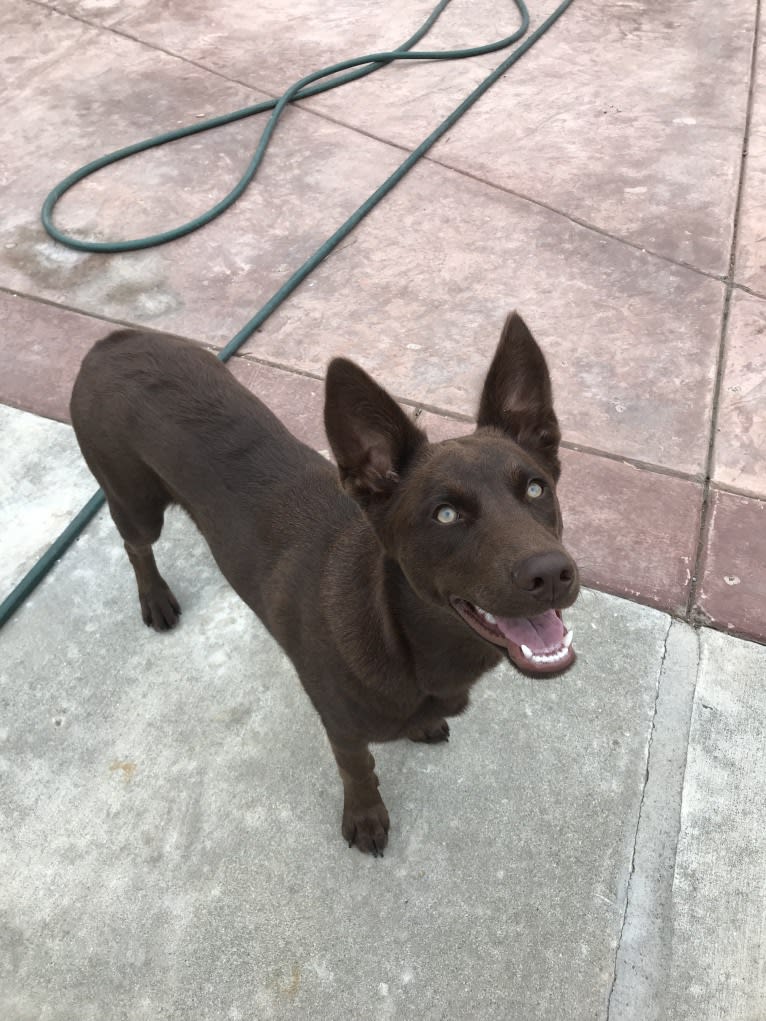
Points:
160	609
433	733
367	828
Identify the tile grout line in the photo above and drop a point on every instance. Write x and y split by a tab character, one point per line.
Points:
299	104
591	583
750	290
418	407
708	489
115	30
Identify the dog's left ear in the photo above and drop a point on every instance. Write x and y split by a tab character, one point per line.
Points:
372	439
518	397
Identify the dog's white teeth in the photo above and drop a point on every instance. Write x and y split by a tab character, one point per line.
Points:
490	618
545	657
567	639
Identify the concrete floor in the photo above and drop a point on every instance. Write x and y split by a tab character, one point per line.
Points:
587	847
590	847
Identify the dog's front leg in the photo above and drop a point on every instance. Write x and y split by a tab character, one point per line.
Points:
365	819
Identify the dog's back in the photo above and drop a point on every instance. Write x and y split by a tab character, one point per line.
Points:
162	421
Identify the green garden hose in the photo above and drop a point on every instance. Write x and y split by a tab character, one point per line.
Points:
310	85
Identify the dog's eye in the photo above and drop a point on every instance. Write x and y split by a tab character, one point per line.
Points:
534	489
446	515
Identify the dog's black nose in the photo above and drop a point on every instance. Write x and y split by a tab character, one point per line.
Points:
546	576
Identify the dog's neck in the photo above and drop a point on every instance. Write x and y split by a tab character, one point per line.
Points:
403	635
447	657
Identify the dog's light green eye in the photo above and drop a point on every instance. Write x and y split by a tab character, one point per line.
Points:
446	515
534	490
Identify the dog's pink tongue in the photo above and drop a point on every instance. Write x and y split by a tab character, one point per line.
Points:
539	634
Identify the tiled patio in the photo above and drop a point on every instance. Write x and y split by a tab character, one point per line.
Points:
596	188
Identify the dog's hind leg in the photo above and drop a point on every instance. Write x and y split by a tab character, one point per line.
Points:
137	504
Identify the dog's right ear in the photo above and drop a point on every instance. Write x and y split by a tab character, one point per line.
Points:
518	397
372	439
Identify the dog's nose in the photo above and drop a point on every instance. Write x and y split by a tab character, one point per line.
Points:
546	576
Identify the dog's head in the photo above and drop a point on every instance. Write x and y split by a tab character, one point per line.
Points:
474	523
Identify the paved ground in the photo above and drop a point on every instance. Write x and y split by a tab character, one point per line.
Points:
589	847
169	852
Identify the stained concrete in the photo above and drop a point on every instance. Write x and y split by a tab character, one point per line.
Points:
750	268
43	483
632	339
732	589
631	78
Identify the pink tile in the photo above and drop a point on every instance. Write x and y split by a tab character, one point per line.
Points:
740	444
631	340
634	532
732	592
750	268
297	400
41	347
205	285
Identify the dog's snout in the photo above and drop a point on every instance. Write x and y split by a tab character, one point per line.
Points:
546	576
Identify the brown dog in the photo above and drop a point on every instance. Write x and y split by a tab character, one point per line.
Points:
393	594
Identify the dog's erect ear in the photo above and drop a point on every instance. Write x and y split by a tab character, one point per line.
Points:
371	437
518	397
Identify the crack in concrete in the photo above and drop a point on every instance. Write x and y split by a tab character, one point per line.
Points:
644	950
647	770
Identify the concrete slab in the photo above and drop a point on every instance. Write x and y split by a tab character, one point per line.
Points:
43	483
171	809
641	990
432	314
719	905
124	91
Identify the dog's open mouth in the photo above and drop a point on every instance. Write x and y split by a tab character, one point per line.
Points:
539	645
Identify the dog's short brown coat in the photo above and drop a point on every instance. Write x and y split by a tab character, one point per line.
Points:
354	580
